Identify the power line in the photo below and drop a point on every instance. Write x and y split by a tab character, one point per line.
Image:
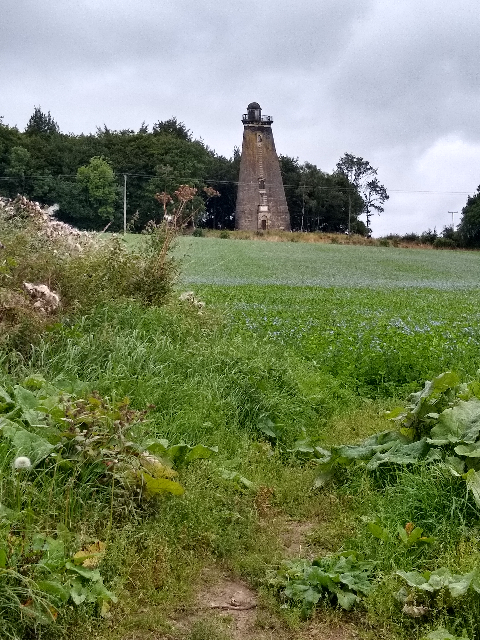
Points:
234	182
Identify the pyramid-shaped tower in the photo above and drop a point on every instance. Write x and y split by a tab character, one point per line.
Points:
261	202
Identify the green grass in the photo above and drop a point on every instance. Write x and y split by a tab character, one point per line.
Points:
316	338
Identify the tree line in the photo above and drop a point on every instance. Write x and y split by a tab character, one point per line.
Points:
85	175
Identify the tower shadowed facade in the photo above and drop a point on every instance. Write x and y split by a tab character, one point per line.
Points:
261	203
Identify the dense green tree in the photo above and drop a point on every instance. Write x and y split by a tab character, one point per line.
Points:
223	177
90	200
18	169
363	179
174	128
9	137
41	123
319	201
469	227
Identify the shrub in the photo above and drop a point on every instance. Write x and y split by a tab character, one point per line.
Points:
411	237
198	233
84	270
225	235
444	243
428	237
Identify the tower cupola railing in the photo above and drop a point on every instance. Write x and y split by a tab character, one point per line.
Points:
248	118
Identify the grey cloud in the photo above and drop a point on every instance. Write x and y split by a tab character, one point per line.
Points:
384	79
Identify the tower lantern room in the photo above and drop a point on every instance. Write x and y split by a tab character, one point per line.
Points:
254	112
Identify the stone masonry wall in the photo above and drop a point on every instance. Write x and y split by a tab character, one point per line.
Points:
260	157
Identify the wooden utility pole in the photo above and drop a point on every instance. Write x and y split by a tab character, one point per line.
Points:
124	203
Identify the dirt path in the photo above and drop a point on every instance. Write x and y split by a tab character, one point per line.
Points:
227	608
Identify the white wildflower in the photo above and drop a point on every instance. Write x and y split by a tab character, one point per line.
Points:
22	462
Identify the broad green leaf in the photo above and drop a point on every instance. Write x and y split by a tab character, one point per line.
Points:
177	452
439	578
3	558
269	428
403	535
415	579
378	531
346	599
415	535
25	398
6	402
91	574
455	465
34	381
303	447
156	447
54	557
302	592
155	486
434	455
400	454
460	423
472	478
394	414
34	417
237	478
54	588
78	592
101	594
459	584
25	443
200	451
469	450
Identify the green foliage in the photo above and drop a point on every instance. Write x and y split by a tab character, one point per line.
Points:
172	127
469	227
60	437
434	581
99	187
342	579
382	329
363	178
318	201
442	634
444	243
441	425
41	123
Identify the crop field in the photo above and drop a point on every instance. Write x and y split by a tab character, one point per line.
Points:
382	318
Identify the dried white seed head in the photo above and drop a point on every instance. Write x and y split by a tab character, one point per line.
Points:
22	462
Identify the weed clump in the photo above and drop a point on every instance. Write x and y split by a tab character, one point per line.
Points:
79	270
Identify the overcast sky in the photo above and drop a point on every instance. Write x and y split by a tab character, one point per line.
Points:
394	81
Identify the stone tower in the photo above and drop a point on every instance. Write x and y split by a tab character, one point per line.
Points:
261	202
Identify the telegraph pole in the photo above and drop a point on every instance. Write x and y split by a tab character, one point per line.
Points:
453	223
124	203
